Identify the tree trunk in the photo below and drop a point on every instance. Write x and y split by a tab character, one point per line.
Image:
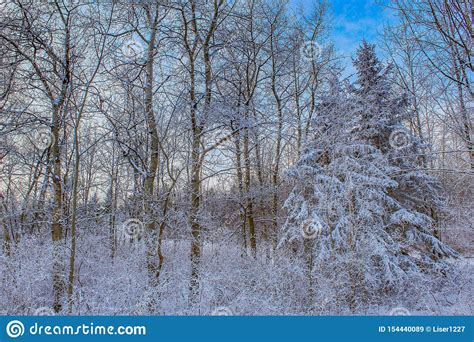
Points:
243	219
149	184
57	228
249	206
72	257
195	224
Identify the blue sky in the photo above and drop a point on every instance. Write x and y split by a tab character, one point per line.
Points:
354	20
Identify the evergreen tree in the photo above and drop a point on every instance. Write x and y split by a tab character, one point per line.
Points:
345	198
380	114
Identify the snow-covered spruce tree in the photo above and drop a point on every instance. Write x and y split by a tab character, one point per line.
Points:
357	235
380	113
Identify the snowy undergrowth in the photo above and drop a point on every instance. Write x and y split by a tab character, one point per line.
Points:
243	285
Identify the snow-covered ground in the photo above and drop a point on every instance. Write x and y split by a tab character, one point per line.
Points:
240	284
